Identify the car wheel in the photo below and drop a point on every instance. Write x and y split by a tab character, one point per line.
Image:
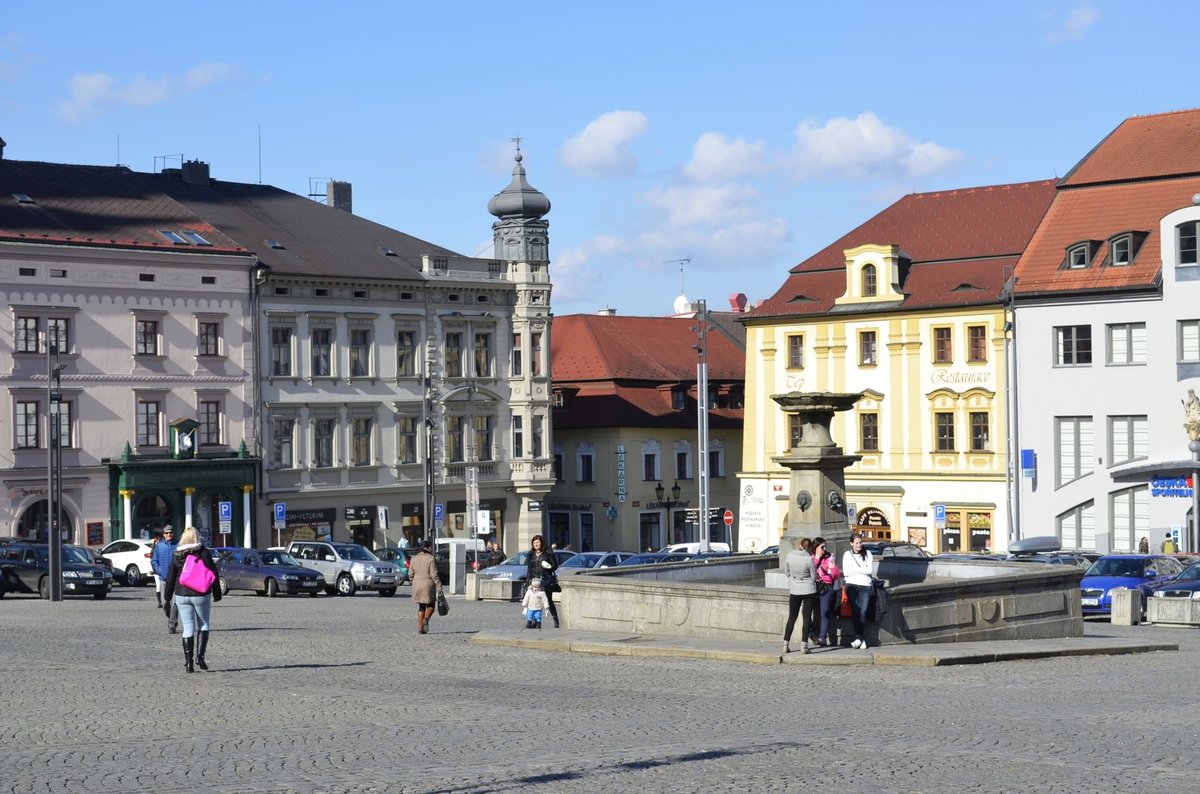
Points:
99	596
224	585
44	588
387	592
345	585
272	588
133	576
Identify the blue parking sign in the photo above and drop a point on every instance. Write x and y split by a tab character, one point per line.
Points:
939	512
439	512
280	511
226	511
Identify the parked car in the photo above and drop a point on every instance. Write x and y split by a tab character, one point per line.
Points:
130	560
1047	550
772	549
514	567
1144	572
400	558
476	561
694	547
895	548
266	572
25	568
1185	585
346	567
593	561
653	557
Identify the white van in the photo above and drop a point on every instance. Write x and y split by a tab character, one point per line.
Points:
694	548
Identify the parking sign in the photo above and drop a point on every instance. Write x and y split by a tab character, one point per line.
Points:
280	512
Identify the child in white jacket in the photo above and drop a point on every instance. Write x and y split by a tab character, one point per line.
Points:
534	602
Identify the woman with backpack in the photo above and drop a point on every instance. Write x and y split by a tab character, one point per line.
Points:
192	586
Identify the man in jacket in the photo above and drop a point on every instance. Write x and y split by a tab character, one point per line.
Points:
160	562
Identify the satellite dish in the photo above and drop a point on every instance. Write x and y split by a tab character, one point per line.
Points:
682	305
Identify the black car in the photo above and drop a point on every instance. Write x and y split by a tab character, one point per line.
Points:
265	571
25	568
894	548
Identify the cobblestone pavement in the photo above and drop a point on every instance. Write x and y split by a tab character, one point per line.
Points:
342	695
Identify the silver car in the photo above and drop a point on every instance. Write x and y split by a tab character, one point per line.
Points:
347	567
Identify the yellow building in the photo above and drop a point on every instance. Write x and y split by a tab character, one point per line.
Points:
907	309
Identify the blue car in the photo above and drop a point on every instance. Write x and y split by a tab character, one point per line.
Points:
267	572
1133	571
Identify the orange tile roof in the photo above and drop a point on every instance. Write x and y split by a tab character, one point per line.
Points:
1143	147
588	347
955	238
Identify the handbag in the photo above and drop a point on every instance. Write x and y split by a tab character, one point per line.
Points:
443	607
196	575
822	587
845	609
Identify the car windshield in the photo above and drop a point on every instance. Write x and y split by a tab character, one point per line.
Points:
1191	572
75	554
353	551
278	558
1116	566
517	559
582	561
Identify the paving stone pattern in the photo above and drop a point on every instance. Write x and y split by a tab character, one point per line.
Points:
342	695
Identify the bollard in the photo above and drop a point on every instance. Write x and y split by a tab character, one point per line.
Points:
1126	607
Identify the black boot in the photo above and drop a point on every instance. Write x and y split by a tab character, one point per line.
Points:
555	621
529	624
200	650
189	647
158	598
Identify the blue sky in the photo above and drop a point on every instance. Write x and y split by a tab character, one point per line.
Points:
741	139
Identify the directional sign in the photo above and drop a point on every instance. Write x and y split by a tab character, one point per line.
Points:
727	517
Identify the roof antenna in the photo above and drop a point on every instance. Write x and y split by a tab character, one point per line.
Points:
687	260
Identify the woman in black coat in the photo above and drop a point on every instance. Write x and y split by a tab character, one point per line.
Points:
194	605
542	564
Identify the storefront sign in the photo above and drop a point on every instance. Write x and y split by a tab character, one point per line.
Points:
1171	486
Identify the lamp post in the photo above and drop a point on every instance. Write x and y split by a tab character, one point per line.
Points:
53	468
431	420
668	504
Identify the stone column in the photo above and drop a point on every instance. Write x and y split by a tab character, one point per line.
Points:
127	511
246	507
818	472
188	492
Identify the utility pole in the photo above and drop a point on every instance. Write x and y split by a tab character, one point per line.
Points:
702	422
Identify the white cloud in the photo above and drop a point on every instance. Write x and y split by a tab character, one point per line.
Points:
715	157
602	147
710	205
1077	23
865	147
91	94
580	271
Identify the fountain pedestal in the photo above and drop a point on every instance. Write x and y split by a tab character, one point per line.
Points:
818	472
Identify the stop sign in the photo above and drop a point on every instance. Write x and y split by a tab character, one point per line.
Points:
728	518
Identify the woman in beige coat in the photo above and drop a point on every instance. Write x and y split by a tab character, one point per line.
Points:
422	569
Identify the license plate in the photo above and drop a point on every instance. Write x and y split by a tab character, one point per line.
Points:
386	579
93	581
310	584
1091	602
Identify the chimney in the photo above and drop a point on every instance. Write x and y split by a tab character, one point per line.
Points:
2	145
337	195
607	311
737	302
195	173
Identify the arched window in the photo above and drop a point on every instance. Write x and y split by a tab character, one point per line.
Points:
869	286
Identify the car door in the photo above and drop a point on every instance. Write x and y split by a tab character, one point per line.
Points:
235	571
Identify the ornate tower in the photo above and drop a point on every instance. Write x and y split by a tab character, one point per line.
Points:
522	244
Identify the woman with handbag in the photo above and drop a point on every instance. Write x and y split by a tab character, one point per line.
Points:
425	584
541	563
192	586
827	589
801	575
858	570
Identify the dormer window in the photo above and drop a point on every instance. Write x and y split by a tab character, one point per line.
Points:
1121	251
1078	257
677	399
870	285
1187	243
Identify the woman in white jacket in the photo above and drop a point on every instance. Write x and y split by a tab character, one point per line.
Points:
858	570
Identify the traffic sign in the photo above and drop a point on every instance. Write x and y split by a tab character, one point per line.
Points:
727	517
225	513
439	512
280	511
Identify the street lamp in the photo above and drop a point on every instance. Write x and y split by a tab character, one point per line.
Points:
659	493
54	467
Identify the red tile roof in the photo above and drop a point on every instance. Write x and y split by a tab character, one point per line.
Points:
592	347
1143	147
959	241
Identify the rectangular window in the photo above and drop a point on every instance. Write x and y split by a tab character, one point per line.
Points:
482	427
977	352
322	352
535	355
1189	341
1074	448
649	466
1078	257
406	353
518	437
281	351
1187	243
944	421
146	343
1073	345
323	443
538	437
1130	511
586	467
361	441
943	347
26	335
981	438
360	352
867	353
282	451
795	431
406	439
1077	526
27	436
483	355
678	399
148	423
208	339
454	352
58	329
683	461
210	422
66	439
1127	439
1127	344
558	467
515	371
716	463
795	351
868	432
454	438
